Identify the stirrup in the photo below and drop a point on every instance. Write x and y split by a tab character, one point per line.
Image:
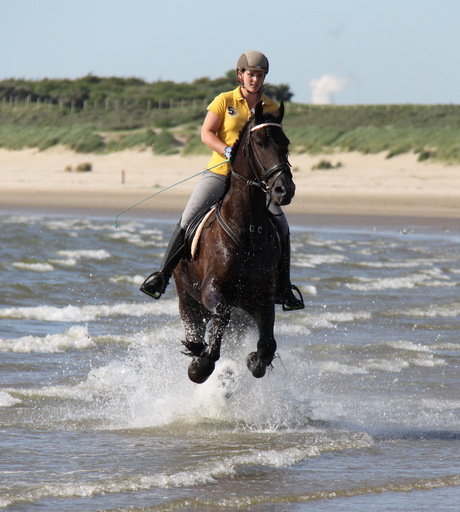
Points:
147	286
297	303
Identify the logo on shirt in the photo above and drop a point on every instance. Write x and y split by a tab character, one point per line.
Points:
232	112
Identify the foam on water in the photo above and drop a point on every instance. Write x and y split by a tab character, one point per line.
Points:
409	345
428	278
88	312
136	279
33	267
221	466
75	338
97	254
6	400
330	319
156	389
450	310
315	260
149	387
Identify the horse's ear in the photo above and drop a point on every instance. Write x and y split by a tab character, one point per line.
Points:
258	113
279	114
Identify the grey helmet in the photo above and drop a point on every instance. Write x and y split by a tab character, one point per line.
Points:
253	61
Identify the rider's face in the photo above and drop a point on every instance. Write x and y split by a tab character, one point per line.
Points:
252	80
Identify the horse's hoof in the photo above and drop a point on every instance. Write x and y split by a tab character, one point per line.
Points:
200	369
256	366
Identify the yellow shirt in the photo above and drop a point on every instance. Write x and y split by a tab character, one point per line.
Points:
234	111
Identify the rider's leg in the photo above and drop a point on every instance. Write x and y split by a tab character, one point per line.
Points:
156	283
208	190
284	288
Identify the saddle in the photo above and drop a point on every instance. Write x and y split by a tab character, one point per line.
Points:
194	230
202	221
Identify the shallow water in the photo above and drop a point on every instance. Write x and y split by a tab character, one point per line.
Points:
361	411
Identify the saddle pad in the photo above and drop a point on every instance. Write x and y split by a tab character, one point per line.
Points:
199	229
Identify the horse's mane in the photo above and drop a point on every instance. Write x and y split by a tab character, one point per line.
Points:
277	137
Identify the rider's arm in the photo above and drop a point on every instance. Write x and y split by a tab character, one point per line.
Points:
211	124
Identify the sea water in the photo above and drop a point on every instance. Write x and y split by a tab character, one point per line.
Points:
361	410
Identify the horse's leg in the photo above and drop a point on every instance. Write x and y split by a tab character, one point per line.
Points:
203	364
258	361
194	317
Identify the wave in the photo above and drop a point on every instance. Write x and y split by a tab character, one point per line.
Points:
330	319
34	267
89	312
451	310
6	400
75	338
315	260
427	278
220	467
246	502
388	357
97	254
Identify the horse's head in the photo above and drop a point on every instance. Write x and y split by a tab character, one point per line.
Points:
267	149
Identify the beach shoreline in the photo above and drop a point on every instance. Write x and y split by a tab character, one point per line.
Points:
361	188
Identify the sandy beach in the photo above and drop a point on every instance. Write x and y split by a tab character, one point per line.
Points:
363	186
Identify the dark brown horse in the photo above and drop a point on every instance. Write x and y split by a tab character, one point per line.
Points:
239	249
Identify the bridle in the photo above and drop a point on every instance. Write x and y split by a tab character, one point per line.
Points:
269	175
266	183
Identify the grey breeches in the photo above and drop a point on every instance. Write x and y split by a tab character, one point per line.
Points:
208	191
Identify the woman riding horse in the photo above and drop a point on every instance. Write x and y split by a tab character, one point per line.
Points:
227	115
233	260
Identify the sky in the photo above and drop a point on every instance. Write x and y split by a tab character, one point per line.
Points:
342	52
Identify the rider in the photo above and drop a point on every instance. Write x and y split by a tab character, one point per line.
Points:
227	115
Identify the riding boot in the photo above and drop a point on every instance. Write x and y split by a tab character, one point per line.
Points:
156	283
284	288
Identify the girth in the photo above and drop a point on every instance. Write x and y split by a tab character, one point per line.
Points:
255	233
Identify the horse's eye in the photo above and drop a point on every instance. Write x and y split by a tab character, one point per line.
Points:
260	145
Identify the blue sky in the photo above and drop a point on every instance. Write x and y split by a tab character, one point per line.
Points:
328	51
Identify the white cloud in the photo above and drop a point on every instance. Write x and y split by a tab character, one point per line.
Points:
324	88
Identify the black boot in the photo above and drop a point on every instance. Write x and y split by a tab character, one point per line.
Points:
155	285
284	288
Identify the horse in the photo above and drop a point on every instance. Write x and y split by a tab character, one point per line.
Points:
239	249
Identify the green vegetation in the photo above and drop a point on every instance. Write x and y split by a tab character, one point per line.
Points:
431	131
324	165
94	114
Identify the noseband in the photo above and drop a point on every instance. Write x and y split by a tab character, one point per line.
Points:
268	174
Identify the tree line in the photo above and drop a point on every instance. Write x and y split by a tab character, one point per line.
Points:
96	90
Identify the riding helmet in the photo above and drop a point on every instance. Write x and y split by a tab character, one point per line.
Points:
253	61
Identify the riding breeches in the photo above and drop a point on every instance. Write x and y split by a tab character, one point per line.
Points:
209	189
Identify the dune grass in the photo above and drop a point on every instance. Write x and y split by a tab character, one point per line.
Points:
431	131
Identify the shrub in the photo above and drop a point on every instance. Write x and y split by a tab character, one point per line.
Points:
325	164
425	155
165	144
84	140
84	167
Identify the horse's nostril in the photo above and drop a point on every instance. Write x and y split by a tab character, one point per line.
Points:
281	191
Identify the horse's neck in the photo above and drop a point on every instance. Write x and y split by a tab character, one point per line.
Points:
244	203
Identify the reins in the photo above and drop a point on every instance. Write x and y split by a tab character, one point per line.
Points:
166	188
